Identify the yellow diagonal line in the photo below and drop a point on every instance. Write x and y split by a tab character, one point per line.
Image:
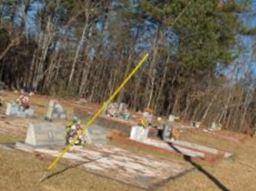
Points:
94	117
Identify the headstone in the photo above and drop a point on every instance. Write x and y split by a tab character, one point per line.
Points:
118	111
196	124
9	109
14	109
166	132
45	134
59	112
123	107
112	110
139	133
216	126
55	111
148	116
97	135
50	109
171	118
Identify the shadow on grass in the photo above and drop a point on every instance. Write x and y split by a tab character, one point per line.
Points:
188	159
44	178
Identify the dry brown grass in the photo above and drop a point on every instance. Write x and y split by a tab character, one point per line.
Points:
22	171
237	173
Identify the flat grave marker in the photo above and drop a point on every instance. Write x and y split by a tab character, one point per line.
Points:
142	171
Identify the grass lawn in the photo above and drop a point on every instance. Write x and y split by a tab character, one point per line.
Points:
22	171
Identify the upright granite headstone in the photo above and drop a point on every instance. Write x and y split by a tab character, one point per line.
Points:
45	134
139	133
166	132
55	111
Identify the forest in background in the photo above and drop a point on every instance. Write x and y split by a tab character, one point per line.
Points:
200	67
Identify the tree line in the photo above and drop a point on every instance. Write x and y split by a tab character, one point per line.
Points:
86	48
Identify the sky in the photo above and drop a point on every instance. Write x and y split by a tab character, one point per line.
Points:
246	61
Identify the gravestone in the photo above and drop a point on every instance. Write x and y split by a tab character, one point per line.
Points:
45	134
139	133
172	118
97	134
215	126
14	109
166	132
55	111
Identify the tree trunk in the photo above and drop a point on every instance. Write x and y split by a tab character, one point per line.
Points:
13	43
80	44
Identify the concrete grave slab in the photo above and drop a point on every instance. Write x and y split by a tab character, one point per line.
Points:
201	148
45	134
108	122
194	146
146	172
170	148
166	146
13	109
223	134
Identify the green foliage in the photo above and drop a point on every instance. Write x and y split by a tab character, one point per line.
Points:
207	30
69	4
248	31
232	6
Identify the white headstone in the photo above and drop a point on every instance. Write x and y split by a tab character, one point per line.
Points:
216	126
198	124
8	109
139	133
172	118
55	110
50	109
148	116
45	134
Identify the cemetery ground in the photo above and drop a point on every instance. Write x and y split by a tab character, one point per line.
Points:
22	171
